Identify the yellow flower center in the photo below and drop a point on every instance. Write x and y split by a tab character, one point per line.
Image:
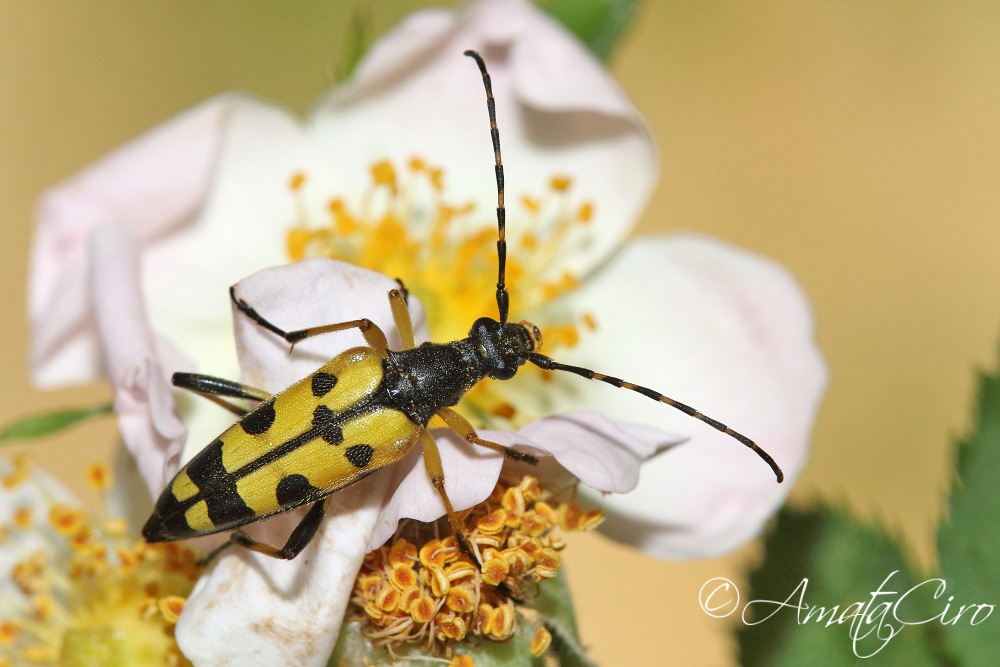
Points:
91	595
446	255
420	588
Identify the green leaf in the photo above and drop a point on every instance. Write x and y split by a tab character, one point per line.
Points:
831	565
968	540
38	426
599	24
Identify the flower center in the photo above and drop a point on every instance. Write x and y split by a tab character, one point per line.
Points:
419	588
404	227
87	593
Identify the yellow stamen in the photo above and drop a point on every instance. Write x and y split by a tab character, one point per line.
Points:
437	179
450	627
447	258
402	553
495	570
171	607
501	622
422	609
296	243
433	553
387	599
42	607
461	599
402	577
14	479
540	642
77	606
115	527
408	597
99	477
438	580
493	522
566	334
504	410
384	174
560	183
9	631
66	520
23	517
513	535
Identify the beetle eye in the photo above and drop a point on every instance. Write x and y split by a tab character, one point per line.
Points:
533	334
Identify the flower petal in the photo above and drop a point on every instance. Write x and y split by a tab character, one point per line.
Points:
558	110
151	185
306	294
601	454
726	332
470	473
36	493
143	405
604	455
240	228
250	610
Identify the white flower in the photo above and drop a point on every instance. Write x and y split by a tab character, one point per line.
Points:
134	257
75	588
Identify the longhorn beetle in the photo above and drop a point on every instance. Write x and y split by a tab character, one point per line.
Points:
369	407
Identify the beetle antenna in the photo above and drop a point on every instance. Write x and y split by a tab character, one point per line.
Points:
548	364
503	299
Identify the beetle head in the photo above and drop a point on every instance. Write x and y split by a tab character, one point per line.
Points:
503	348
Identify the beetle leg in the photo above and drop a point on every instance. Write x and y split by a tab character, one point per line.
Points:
372	333
213	388
461	425
297	541
401	316
432	461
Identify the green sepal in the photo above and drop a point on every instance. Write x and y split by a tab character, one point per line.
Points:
361	35
553	607
599	24
37	426
843	562
968	539
354	650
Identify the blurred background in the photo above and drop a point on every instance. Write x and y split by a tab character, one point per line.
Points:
856	143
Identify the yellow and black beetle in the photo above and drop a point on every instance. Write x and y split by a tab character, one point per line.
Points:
365	409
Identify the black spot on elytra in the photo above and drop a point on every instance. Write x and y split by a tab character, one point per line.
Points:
322	383
323	422
359	455
217	487
260	419
322	416
293	489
